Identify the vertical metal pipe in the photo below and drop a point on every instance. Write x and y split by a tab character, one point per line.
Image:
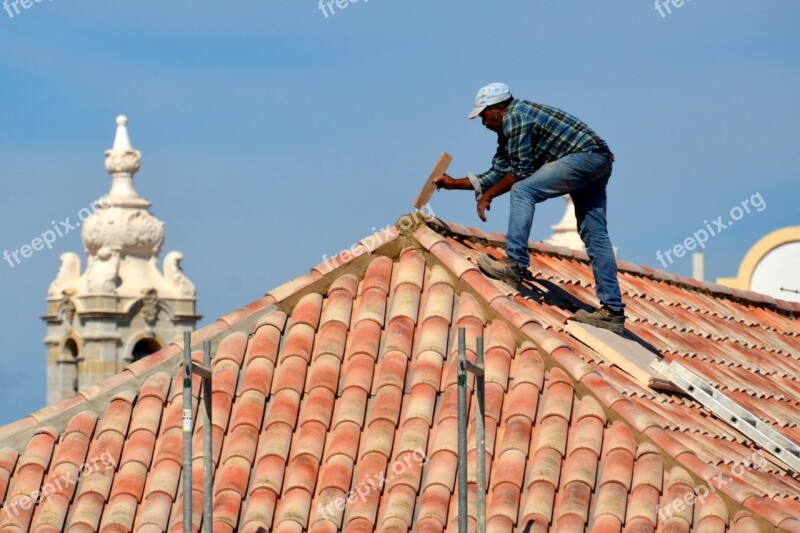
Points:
187	432
207	450
462	431
480	437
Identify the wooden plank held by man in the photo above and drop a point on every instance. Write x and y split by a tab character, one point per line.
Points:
429	188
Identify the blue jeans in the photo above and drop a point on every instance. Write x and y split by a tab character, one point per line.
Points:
584	176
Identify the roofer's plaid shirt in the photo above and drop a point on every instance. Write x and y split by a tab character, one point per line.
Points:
534	135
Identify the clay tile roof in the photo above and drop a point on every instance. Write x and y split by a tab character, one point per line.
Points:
334	408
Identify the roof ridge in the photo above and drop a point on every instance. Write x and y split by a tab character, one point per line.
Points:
498	239
502	306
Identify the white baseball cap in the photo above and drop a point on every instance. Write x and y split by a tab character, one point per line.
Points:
489	95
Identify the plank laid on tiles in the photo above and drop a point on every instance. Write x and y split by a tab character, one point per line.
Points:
429	188
626	354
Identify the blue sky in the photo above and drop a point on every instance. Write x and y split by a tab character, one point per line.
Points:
272	135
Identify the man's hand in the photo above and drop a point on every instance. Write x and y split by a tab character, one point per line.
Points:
498	189
443	182
484	204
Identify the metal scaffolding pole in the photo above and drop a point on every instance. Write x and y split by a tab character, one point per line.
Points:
464	367
480	436
208	517
462	431
187	432
204	372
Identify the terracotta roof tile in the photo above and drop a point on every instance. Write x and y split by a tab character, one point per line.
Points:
484	287
264	345
433	508
617	469
226	509
553	434
38	452
398	508
522	401
365	339
528	367
557	396
587	434
440	469
581	465
154	510
642	507
283	408
399	335
572	507
317	407
348	420
612	498
338	306
268	474
378	437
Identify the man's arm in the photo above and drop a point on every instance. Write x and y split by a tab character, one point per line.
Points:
458	184
487	185
484	204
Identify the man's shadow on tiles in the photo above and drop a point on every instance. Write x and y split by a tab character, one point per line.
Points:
547	292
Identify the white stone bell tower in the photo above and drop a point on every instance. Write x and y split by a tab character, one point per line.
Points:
121	308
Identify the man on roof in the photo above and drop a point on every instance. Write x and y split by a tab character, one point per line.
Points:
543	152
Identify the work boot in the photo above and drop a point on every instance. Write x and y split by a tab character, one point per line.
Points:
507	271
603	318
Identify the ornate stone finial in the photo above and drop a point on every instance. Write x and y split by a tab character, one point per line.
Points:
122	141
122	223
122	162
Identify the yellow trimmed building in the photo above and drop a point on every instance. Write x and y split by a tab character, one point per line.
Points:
771	266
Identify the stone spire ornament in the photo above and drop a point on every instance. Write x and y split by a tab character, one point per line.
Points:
565	233
124	307
122	162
